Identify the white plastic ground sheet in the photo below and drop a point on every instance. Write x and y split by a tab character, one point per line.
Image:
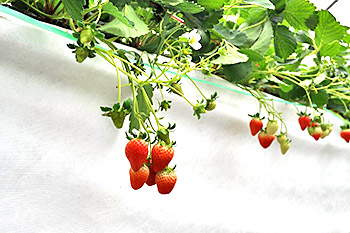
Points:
63	167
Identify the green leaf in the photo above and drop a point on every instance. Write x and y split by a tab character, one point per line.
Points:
252	33
256	14
285	42
327	30
263	3
120	3
142	107
127	104
237	72
252	55
74	8
169	2
183	5
312	21
116	27
284	86
319	79
114	11
134	123
297	12
210	4
264	41
204	19
319	98
189	7
331	49
231	56
303	37
296	93
279	5
233	36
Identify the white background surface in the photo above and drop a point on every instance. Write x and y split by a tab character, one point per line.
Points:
63	168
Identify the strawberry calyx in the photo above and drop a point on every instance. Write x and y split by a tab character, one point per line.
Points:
303	114
198	109
282	138
345	127
118	112
318	118
132	135
256	116
165	105
345	132
169	169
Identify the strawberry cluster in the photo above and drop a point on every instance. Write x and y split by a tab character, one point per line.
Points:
315	127
151	169
267	136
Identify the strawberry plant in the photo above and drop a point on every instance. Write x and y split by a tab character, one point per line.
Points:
259	45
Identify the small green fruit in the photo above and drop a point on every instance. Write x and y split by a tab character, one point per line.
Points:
86	36
285	147
118	119
271	127
163	134
324	133
210	105
282	138
81	54
178	88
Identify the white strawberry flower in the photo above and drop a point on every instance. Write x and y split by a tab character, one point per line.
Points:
193	39
231	18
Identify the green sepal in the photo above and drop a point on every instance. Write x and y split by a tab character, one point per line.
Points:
345	127
198	109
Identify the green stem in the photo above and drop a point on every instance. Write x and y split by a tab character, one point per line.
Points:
119	86
179	93
135	107
254	25
43	13
148	102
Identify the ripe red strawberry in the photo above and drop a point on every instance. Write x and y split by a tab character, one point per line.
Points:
136	150
265	139
161	156
138	178
151	180
271	127
345	133
304	122
255	125
166	180
314	124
